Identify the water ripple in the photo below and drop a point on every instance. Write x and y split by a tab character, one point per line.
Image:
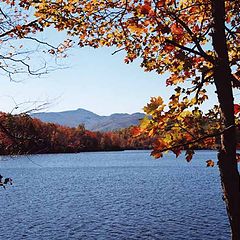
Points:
123	195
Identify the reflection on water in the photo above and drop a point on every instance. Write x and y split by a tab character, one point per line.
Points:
113	195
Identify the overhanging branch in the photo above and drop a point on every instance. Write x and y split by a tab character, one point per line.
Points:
196	140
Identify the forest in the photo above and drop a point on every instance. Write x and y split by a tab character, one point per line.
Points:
21	134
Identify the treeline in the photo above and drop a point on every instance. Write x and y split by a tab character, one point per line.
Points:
21	134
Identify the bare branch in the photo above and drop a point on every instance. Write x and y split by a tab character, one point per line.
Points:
119	50
41	42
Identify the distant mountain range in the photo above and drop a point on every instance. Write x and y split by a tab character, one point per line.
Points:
91	120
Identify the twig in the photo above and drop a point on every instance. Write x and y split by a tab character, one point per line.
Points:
119	50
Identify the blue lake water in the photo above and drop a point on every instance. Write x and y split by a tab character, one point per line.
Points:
112	195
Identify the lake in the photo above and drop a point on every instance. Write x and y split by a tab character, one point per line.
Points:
112	195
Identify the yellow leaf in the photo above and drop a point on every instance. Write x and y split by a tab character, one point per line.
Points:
136	29
144	123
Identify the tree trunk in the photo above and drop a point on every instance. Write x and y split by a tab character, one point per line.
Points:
227	156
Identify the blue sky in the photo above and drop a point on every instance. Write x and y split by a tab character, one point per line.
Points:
93	79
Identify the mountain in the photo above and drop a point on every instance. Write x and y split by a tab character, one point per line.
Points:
91	120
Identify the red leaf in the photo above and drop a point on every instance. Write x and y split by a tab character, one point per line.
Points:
189	155
136	131
189	158
177	152
236	108
145	9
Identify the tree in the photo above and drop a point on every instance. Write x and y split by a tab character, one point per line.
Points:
20	43
196	42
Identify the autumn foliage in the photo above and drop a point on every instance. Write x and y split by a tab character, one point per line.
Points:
20	134
196	42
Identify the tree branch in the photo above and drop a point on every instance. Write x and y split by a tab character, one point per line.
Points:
197	140
194	38
119	50
236	79
14	29
183	47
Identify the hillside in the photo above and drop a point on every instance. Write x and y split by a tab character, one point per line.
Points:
91	120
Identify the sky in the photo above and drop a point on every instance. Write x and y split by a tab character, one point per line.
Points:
92	79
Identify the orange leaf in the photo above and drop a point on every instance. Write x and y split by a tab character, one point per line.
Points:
169	48
145	9
19	27
160	3
156	154
136	131
210	163
176	29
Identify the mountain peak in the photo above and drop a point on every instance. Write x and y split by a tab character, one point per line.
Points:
81	110
92	121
